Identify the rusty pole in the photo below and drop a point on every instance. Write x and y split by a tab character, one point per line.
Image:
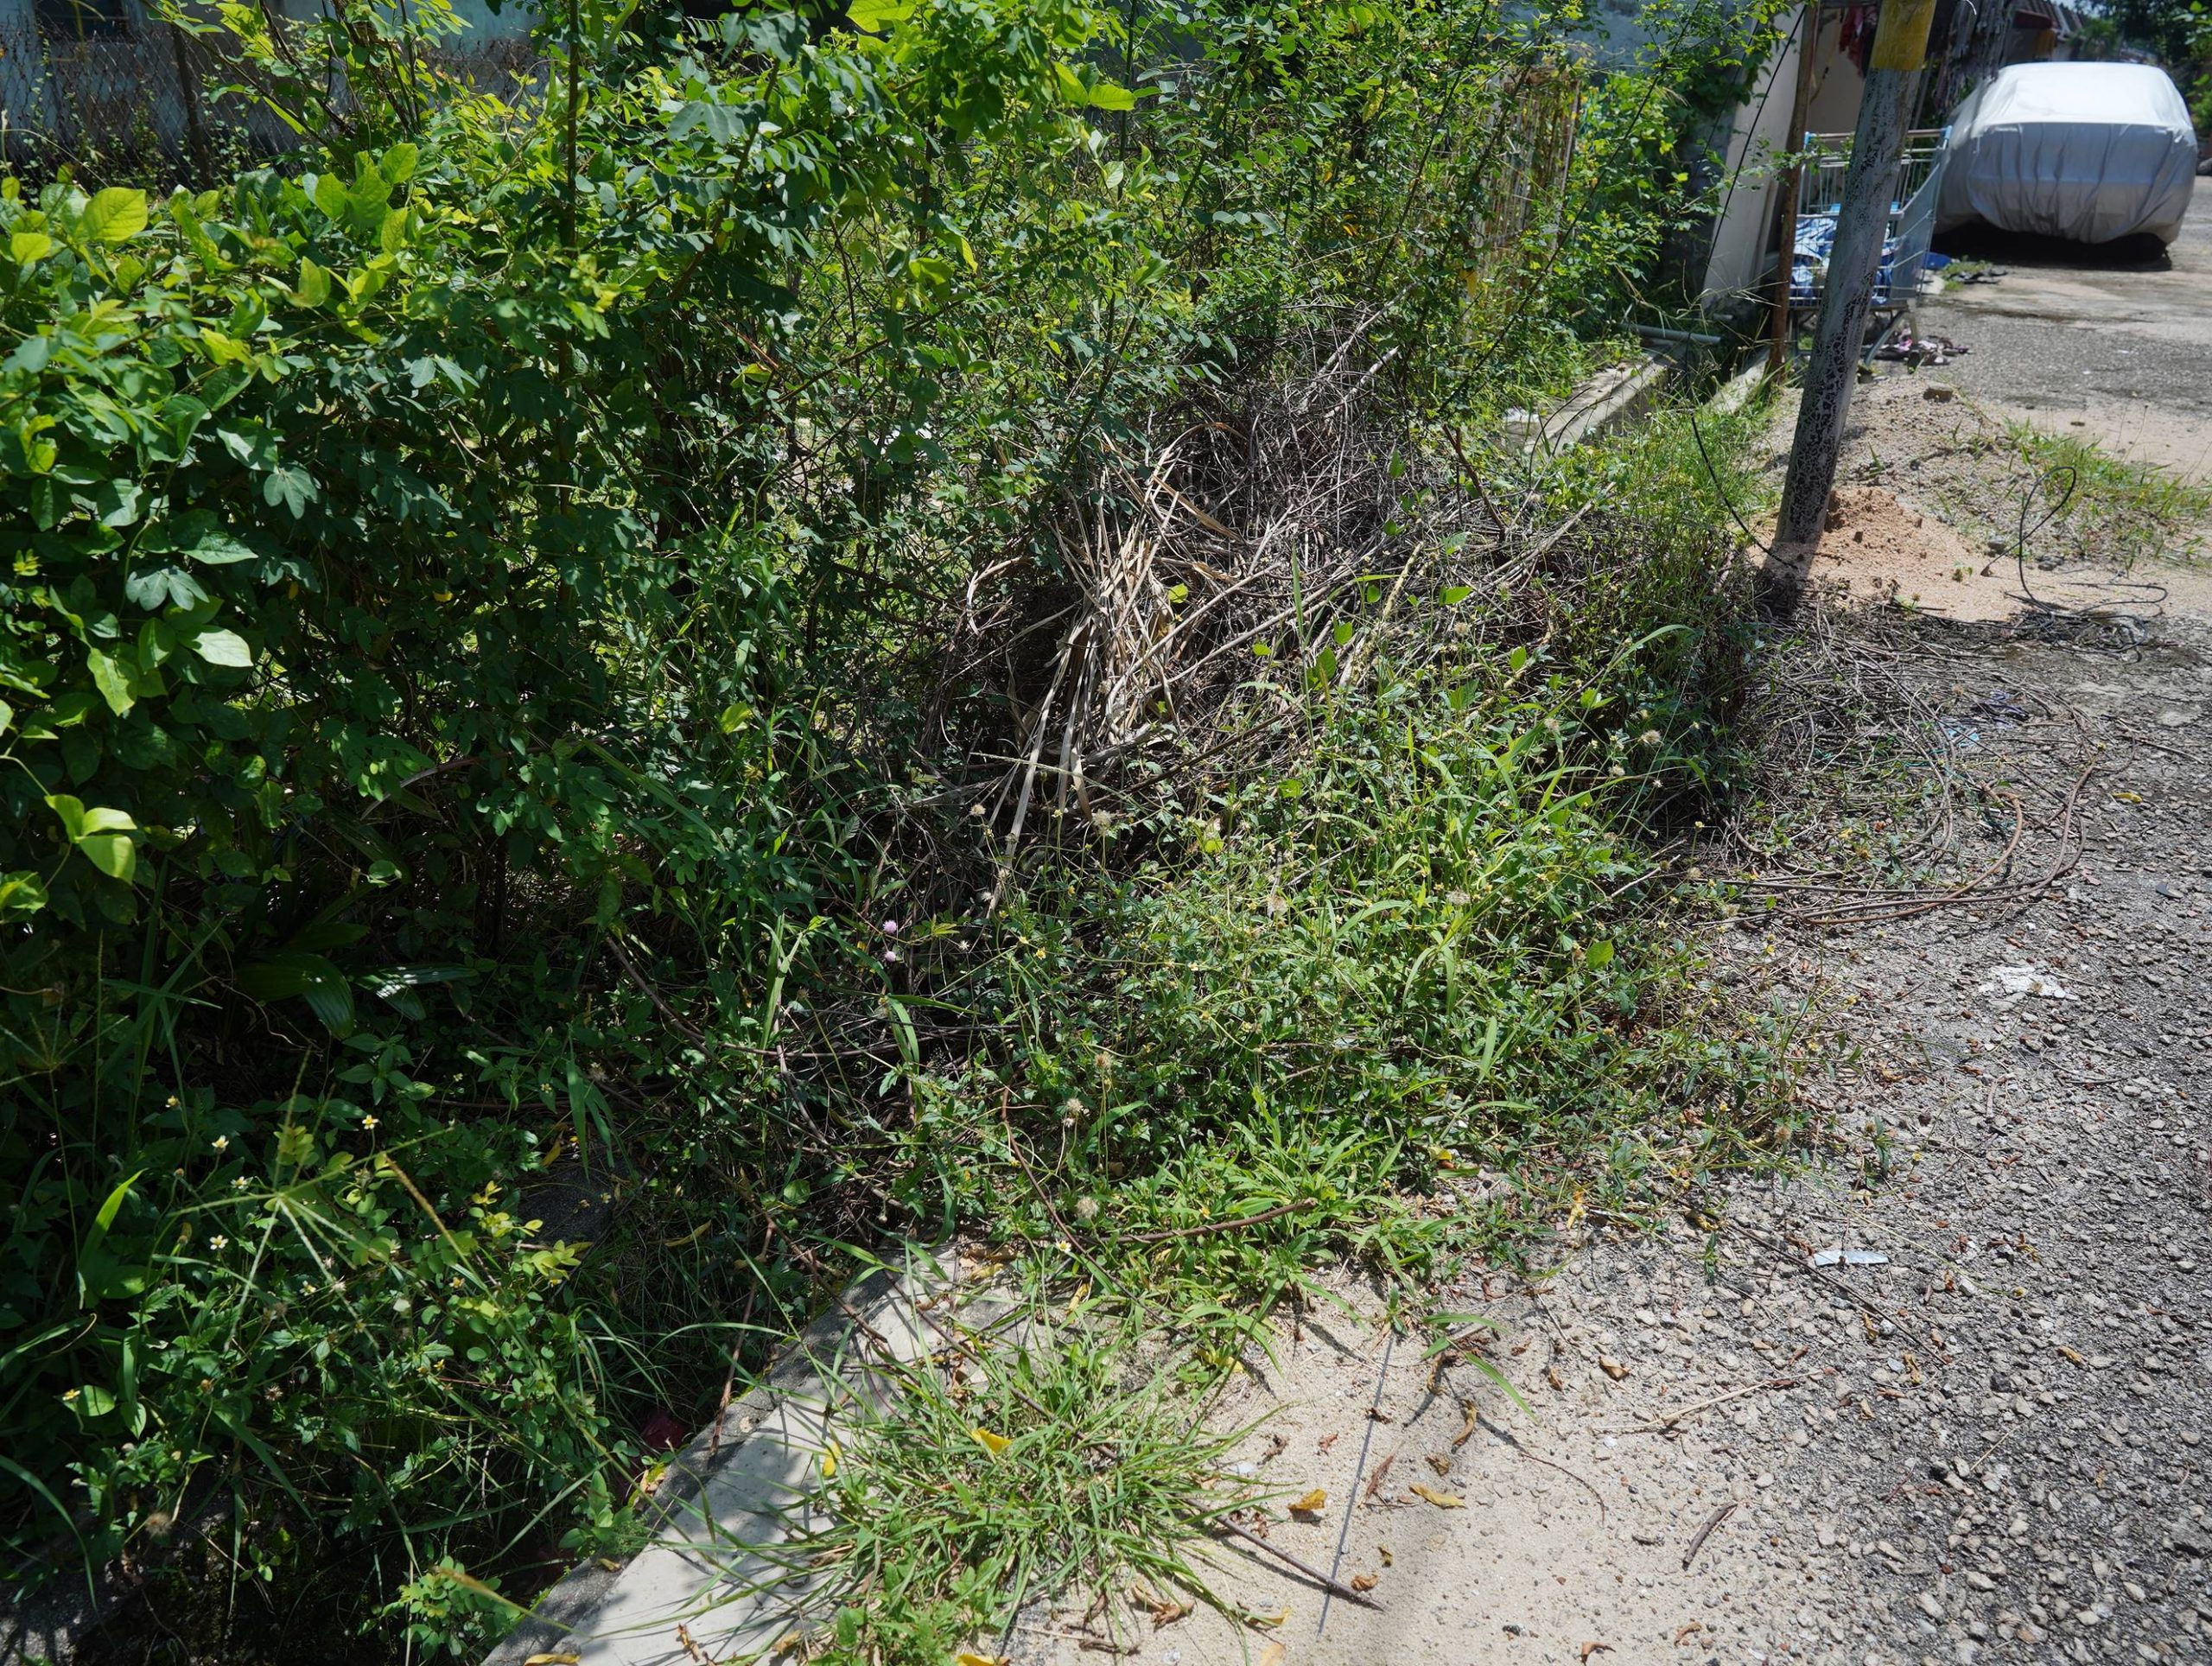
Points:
1869	185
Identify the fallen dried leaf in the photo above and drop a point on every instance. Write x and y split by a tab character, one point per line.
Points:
1439	1463
1441	1500
1311	1504
1365	1581
1384	1551
1589	1648
1694	1625
1281	1616
1374	1481
1164	1611
1272	1655
1326	1441
552	1660
1611	1367
1552	1376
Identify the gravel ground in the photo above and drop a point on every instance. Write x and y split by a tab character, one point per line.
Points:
1989	1443
2117	343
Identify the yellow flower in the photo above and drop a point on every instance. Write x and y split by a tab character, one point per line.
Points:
993	1444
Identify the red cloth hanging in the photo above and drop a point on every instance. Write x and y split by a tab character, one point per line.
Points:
1857	35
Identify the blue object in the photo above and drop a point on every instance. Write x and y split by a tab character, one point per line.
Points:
1809	260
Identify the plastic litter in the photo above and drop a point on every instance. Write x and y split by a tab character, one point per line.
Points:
1849	1258
2014	983
1906	347
2085	151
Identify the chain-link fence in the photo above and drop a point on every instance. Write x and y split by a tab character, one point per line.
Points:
109	94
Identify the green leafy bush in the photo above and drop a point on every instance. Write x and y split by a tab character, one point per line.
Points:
486	644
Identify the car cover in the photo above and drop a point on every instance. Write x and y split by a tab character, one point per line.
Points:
2090	152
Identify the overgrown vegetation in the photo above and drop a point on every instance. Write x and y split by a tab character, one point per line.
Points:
606	694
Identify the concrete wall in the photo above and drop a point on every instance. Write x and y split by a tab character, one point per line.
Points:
1758	132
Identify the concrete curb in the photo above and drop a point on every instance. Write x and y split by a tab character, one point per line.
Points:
1604	402
1739	390
711	1582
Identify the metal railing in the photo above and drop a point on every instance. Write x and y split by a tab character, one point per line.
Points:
1819	184
1904	240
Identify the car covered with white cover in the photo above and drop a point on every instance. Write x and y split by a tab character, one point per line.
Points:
2085	151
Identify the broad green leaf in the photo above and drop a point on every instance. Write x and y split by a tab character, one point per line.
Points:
71	811
223	648
873	16
155	588
21	894
1107	96
399	164
312	978
293	487
212	546
312	287
115	215
1456	594
113	682
102	835
1599	955
115	855
27	246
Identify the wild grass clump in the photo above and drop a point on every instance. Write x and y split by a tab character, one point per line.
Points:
1416	990
2109	507
1420	991
1030	1467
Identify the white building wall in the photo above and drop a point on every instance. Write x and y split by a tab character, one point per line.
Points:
1758	133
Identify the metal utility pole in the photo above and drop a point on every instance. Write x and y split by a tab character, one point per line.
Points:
1900	48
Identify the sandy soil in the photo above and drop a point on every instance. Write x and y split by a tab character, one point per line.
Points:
1927	516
